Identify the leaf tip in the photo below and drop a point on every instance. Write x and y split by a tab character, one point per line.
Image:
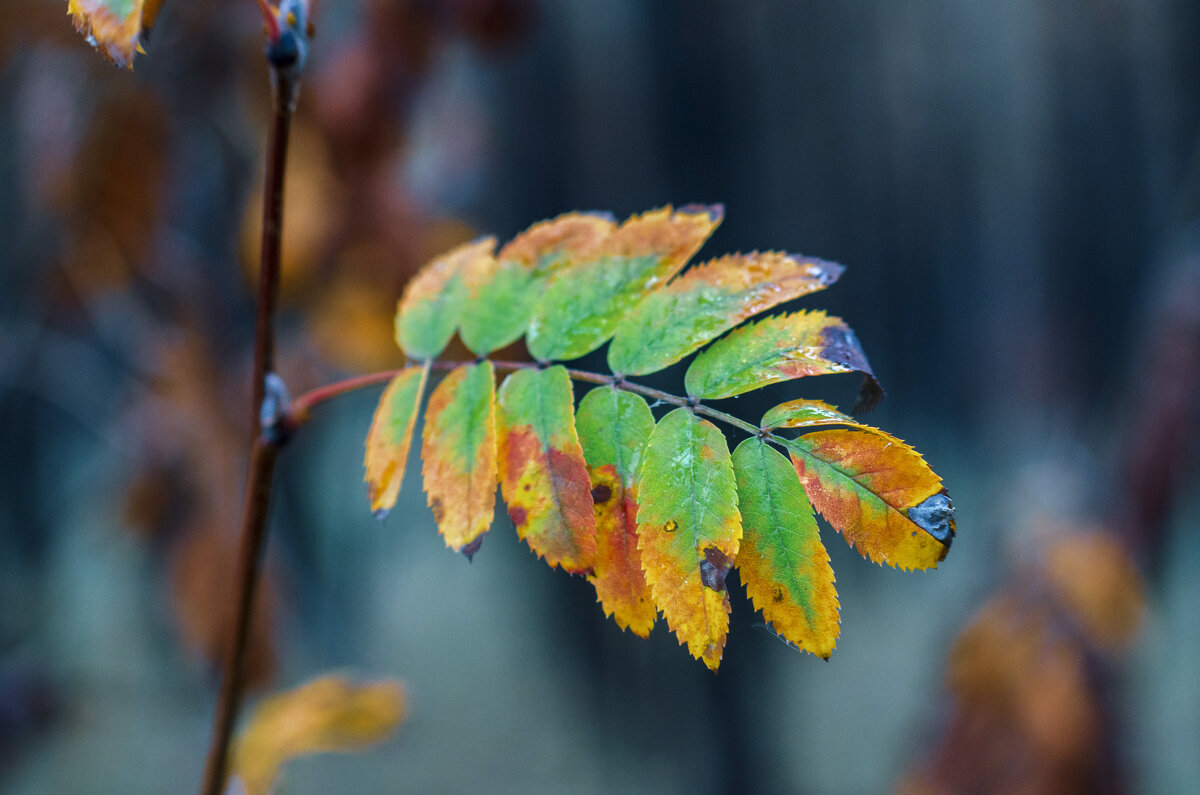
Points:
469	550
935	515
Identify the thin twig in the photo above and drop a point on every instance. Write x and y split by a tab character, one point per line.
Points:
263	447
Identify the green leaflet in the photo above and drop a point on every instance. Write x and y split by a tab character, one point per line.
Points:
582	305
585	300
783	564
689	529
390	435
499	307
542	472
613	428
434	298
504	292
707	301
459	455
775	349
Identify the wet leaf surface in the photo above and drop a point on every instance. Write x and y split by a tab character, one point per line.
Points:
689	529
866	484
707	301
782	562
613	428
776	349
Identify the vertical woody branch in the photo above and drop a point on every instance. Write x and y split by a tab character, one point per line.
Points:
287	45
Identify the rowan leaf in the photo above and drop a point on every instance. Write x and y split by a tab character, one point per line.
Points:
775	349
390	436
116	28
688	529
326	714
613	428
878	493
805	413
458	455
585	299
782	562
504	291
543	475
707	301
432	304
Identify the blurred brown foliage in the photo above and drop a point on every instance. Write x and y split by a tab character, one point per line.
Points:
137	174
1030	676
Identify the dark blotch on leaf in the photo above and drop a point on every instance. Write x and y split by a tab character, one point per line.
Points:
438	511
470	549
840	346
518	515
714	568
601	494
935	516
670	526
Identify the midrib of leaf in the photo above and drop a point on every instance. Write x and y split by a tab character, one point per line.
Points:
472	419
861	490
543	440
777	533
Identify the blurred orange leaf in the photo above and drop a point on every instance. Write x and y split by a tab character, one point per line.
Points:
326	714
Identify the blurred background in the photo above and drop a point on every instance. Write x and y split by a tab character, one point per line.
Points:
1014	189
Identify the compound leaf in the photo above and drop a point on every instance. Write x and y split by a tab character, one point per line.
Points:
543	475
458	455
390	436
585	299
782	562
326	714
613	428
432	304
775	349
707	301
878	493
688	529
503	292
116	28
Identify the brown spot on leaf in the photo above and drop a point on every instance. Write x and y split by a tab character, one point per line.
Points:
779	594
601	494
438	510
518	515
714	568
671	526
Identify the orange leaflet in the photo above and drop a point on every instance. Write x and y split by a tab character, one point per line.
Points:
878	493
542	472
613	427
459	455
390	435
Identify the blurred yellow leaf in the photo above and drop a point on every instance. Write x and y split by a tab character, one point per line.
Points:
326	714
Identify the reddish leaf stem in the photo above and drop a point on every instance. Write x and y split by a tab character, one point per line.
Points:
302	405
263	449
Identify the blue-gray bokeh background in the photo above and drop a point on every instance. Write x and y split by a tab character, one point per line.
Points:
1011	186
